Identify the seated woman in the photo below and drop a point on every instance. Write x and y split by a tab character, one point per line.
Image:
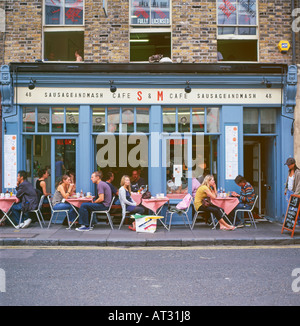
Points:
62	192
208	189
41	183
126	201
71	174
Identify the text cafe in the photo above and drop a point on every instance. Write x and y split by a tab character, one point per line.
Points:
170	122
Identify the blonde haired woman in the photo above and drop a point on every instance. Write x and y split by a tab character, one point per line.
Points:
208	189
127	203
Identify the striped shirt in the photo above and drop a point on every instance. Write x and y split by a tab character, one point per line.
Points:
247	194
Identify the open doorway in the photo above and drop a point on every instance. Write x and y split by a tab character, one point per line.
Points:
259	170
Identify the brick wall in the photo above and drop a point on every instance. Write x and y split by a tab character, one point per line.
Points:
23	40
194	31
275	21
106	38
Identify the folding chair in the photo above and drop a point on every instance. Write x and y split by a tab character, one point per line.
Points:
248	211
183	212
104	212
37	211
55	211
197	213
124	212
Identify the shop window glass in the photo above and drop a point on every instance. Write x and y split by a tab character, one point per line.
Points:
98	119
127	120
237	30
144	45
58	116
121	155
64	12
251	121
150	12
213	120
72	115
268	121
198	119
62	45
142	120
113	119
28	119
184	120
169	119
43	119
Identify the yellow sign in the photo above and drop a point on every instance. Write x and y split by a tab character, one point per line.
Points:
284	46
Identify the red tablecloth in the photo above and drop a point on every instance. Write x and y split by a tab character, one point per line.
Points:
154	203
6	203
136	197
227	204
78	201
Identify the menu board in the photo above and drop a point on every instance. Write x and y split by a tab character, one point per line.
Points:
231	152
291	215
10	161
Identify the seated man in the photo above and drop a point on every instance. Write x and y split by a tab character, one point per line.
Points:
28	200
115	191
136	181
100	204
246	198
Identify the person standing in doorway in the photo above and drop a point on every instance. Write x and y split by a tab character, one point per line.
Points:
292	185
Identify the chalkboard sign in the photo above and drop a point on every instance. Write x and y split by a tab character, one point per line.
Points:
292	214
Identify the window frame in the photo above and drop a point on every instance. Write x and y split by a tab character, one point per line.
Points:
259	129
50	132
237	25
150	25
120	124
64	18
191	107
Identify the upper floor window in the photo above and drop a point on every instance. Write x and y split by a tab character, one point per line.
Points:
64	12
237	29
150	31
150	12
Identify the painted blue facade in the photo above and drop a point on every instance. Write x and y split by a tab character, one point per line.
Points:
279	144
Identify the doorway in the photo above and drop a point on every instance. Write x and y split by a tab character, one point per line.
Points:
259	170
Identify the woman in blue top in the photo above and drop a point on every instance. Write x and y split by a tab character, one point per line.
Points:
125	199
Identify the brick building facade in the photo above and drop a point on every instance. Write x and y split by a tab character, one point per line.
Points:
193	30
227	76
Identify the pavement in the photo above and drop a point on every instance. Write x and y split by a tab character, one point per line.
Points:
267	233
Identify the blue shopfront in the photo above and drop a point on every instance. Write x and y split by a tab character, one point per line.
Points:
170	122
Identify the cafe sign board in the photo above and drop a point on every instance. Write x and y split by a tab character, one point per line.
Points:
292	214
203	96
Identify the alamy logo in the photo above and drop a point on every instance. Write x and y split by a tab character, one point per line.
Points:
2	280
296	281
296	21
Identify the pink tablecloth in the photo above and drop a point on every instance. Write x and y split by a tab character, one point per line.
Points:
78	201
136	197
154	203
6	203
228	203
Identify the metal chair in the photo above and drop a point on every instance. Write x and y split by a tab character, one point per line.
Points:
200	212
124	212
248	211
104	212
55	211
37	211
183	212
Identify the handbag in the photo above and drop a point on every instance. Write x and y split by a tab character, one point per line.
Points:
146	195
206	201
